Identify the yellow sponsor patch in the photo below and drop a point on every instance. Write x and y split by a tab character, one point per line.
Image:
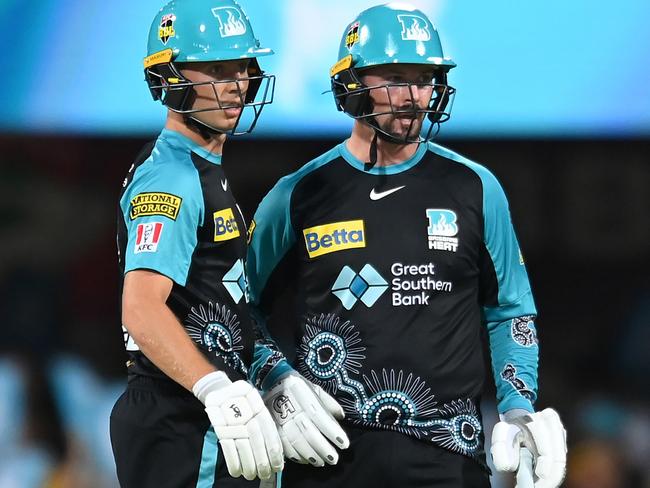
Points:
251	229
225	225
158	58
164	204
344	63
338	236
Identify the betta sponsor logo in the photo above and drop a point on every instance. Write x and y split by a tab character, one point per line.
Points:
338	236
225	225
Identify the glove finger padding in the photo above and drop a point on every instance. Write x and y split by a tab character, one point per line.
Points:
246	457
506	438
330	404
289	451
272	440
245	430
322	417
549	438
543	434
231	457
298	441
316	440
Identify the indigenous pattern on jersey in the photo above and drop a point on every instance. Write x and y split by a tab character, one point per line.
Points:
178	217
397	270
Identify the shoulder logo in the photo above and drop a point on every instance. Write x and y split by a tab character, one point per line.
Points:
338	236
249	232
155	203
414	28
231	21
442	229
224	185
374	195
166	28
225	225
352	37
148	237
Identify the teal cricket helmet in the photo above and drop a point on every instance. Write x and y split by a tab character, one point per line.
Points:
193	31
389	34
393	33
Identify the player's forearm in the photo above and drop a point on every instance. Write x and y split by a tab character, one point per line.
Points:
268	361
161	337
514	351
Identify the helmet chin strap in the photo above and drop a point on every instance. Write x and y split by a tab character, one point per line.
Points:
380	134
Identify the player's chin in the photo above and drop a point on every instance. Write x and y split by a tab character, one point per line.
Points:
406	129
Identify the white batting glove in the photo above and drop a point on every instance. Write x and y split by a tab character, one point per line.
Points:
543	434
246	432
306	419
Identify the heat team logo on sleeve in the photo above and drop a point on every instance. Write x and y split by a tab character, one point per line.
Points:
148	237
442	229
225	225
327	238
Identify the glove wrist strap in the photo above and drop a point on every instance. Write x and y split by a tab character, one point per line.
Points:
210	382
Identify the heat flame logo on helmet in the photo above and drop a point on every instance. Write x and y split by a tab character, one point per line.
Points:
166	29
231	22
414	28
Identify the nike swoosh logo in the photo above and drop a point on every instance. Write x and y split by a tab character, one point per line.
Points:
379	195
224	185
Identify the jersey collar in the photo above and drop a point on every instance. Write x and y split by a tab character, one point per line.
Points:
383	170
177	139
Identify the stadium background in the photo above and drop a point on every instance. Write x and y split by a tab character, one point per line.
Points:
553	97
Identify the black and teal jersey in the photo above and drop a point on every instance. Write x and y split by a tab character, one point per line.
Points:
178	217
398	270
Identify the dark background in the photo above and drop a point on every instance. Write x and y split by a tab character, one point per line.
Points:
580	208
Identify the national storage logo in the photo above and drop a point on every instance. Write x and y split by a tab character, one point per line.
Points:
164	204
225	225
338	236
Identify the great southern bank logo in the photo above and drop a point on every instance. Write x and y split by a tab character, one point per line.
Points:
442	229
367	286
327	238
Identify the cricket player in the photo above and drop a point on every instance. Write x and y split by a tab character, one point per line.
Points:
182	251
403	254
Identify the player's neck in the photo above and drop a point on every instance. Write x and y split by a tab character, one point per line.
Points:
214	144
388	153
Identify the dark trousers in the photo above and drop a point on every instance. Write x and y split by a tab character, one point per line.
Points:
385	459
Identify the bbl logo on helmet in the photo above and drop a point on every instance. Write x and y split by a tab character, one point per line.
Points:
231	21
352	37
414	28
166	29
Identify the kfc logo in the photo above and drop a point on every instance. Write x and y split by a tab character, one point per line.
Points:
148	237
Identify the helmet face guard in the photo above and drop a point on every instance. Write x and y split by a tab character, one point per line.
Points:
167	84
354	98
